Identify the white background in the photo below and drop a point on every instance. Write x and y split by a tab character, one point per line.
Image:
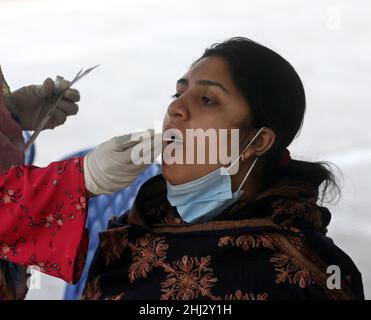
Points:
144	46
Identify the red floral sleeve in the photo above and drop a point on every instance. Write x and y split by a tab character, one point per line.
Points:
42	218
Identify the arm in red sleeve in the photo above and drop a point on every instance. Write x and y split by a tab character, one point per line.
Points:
42	218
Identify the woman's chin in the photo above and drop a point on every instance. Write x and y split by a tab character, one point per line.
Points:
182	173
175	174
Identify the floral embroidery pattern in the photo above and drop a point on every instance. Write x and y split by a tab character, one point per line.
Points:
188	278
7	249
147	252
289	271
8	196
118	297
41	266
286	210
43	210
238	295
247	241
113	243
92	290
299	244
81	204
78	165
55	219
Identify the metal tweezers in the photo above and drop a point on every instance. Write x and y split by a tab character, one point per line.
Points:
47	117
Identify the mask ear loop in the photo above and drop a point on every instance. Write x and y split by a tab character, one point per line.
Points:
248	146
255	161
248	173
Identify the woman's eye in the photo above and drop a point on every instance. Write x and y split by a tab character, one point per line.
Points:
207	100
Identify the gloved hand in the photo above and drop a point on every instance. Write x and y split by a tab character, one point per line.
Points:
33	103
113	165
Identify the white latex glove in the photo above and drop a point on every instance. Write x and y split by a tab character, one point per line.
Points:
33	103
113	165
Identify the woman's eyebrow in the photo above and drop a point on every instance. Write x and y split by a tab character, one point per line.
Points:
182	81
203	83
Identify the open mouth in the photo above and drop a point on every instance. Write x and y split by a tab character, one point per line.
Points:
172	137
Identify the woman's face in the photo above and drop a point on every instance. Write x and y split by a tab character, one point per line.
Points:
205	98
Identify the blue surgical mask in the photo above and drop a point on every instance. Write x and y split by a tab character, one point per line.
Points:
206	197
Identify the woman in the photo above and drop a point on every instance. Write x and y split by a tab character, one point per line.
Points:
36	204
270	241
194	233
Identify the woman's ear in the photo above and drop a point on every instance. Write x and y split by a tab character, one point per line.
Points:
262	144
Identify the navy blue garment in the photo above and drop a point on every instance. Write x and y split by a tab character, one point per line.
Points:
270	246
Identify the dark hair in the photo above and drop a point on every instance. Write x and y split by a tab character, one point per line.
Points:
276	95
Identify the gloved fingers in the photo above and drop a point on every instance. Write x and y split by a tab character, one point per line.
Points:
46	89
57	119
134	150
69	108
72	95
64	85
146	151
137	136
121	181
110	167
127	141
61	85
121	143
151	147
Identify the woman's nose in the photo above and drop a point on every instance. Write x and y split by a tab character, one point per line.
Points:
178	110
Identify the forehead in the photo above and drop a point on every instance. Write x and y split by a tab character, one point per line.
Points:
210	68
